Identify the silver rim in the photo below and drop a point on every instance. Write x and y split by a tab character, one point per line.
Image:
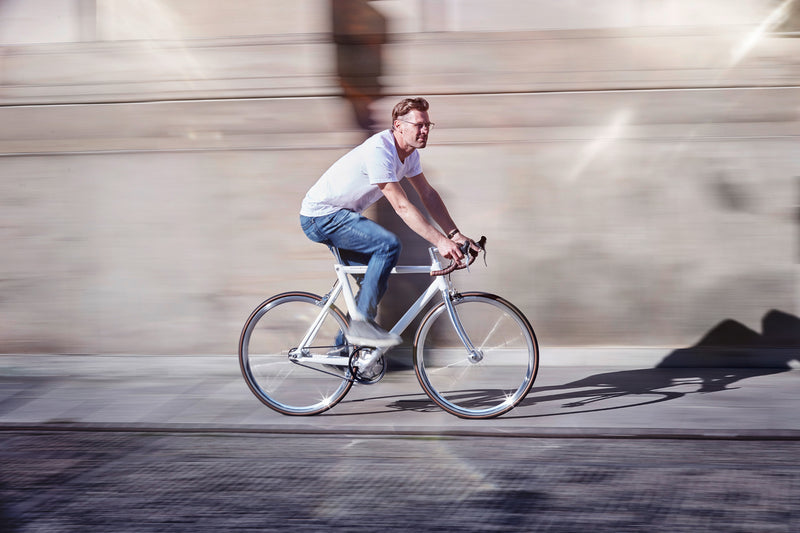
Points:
273	329
477	389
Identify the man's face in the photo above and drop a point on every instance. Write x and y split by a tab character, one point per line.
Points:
414	128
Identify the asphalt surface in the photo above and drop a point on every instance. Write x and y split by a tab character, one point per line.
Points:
145	443
208	393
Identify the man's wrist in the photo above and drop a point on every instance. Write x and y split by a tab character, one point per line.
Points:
453	233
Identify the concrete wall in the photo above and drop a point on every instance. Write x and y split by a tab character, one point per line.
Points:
634	166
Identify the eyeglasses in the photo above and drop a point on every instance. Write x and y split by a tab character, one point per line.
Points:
420	125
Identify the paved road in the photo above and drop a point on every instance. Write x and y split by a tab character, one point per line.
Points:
100	481
208	393
119	443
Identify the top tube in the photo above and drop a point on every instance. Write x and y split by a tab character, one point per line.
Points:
408	269
401	269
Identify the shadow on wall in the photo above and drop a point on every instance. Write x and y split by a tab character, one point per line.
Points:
731	344
729	353
792	21
359	32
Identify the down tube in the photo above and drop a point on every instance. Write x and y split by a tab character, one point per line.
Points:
416	307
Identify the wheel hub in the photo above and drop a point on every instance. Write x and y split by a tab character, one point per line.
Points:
475	356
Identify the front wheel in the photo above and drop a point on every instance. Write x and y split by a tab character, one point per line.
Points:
276	371
491	380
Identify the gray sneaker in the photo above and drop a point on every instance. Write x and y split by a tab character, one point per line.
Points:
368	333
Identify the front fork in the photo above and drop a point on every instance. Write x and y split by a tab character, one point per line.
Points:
450	296
473	354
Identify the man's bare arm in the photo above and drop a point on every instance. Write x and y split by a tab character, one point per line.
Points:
435	206
433	202
415	220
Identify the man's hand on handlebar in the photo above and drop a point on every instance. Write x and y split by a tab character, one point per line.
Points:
465	244
468	251
456	248
450	249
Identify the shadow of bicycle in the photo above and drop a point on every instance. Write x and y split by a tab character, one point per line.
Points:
729	353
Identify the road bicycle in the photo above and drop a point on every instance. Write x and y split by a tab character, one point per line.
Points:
474	353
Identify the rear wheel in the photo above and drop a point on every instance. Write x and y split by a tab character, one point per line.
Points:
271	365
491	380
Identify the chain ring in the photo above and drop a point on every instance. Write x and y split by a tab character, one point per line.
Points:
356	373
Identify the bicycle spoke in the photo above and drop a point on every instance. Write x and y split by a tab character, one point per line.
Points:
490	333
496	382
287	384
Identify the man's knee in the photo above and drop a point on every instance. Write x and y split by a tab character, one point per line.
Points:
392	246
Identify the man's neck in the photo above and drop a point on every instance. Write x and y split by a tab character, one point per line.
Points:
403	150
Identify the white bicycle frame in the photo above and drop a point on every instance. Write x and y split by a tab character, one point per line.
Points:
440	284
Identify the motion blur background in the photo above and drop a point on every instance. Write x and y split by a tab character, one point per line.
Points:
634	163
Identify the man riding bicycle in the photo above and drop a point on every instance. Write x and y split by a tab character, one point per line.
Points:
331	212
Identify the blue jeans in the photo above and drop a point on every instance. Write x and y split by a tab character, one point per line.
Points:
360	242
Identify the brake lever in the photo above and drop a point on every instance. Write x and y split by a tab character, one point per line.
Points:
469	254
466	250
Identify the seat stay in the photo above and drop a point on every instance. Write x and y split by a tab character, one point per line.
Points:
314	329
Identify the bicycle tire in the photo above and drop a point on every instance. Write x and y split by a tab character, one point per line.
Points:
505	340
288	386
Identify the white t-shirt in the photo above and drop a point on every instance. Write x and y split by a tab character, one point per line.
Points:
351	182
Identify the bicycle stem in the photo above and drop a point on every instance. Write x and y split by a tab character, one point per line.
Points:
328	301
